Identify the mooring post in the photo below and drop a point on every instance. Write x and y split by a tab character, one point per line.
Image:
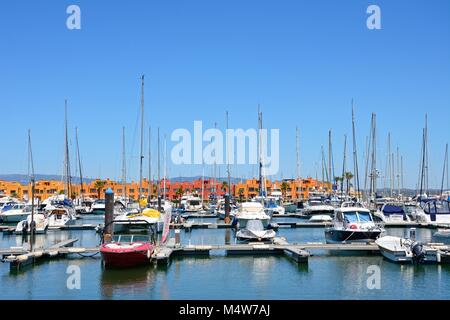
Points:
109	214
177	237
227	208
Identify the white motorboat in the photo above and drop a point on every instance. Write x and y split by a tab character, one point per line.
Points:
393	212
60	216
165	204
18	212
41	223
401	250
251	211
141	220
352	225
320	218
255	231
272	205
193	204
315	207
435	212
98	207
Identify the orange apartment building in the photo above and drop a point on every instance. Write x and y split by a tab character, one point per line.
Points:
291	189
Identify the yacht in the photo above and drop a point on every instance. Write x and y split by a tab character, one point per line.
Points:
251	211
272	205
17	212
141	221
98	207
436	211
317	207
352	225
193	205
60	216
41	224
394	212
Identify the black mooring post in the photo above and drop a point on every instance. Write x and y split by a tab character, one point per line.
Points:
227	208
109	214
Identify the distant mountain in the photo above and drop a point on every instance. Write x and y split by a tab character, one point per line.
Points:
24	179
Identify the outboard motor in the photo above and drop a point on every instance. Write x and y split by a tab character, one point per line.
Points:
418	252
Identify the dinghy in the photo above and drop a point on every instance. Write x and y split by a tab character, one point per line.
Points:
401	250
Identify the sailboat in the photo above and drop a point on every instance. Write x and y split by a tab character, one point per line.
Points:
35	223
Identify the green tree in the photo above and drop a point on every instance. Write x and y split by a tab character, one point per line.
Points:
241	195
284	187
224	186
99	185
348	176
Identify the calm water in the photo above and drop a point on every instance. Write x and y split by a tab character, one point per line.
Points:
326	276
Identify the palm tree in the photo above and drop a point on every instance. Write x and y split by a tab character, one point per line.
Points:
241	194
284	187
99	185
337	180
224	186
348	176
179	194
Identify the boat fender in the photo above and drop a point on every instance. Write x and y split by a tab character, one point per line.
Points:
149	254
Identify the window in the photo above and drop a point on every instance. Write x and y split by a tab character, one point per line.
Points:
364	217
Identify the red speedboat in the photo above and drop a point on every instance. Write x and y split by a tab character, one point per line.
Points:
126	251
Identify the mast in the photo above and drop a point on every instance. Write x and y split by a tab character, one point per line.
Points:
67	176
228	158
344	164
422	173
426	155
401	174
374	156
445	169
159	171
150	179
355	153
79	166
124	168
297	145
141	157
398	172
165	167
330	159
32	182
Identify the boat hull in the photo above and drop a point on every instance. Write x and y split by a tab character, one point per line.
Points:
351	236
126	258
14	218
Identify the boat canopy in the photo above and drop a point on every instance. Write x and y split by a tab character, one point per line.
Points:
393	209
255	225
437	207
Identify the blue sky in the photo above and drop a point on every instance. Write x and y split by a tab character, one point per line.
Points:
303	61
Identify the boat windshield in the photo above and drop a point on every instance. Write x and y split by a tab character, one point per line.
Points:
130	238
350	217
364	216
255	225
194	202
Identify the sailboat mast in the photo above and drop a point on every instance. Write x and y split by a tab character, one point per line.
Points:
79	165
32	181
297	146
66	156
374	156
355	153
159	169
445	169
165	167
150	179
330	159
398	172
228	158
344	164
141	157
124	167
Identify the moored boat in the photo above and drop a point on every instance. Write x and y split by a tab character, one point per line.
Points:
126	251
